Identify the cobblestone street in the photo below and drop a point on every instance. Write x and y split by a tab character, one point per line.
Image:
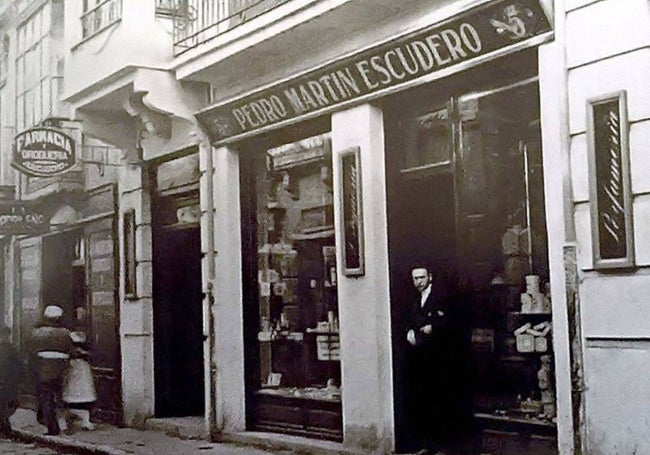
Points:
8	447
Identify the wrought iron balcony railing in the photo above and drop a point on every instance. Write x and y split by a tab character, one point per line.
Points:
100	17
197	21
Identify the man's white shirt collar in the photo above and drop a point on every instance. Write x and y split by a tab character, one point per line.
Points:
425	295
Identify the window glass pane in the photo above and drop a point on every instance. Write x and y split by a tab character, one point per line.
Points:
298	309
28	69
20	76
19	113
29	37
434	137
45	62
29	109
19	40
501	163
36	26
45	97
45	19
38	106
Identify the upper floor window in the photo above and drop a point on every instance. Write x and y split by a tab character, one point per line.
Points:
99	15
170	7
4	59
35	90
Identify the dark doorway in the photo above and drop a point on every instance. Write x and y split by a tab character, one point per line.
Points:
465	196
178	322
59	278
421	228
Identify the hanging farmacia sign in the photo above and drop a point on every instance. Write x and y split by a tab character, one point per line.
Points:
43	152
473	36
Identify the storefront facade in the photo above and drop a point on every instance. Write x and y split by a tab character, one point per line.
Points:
73	264
337	167
307	187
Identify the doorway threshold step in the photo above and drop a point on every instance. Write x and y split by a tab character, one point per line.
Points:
179	427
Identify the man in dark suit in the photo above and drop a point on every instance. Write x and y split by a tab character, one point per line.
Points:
435	363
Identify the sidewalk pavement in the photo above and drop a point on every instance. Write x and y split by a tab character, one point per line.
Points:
109	440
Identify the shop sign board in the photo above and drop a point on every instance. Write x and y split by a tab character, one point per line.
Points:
43	152
610	181
22	218
471	37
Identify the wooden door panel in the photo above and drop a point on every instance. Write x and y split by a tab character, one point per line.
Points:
104	319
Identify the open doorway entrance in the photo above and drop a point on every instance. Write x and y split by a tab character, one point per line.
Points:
178	321
465	194
64	279
422	230
177	305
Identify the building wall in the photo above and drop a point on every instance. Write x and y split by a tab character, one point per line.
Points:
7	99
139	39
136	311
606	47
228	310
38	81
366	357
365	348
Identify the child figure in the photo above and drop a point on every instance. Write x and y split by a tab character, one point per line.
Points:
79	392
11	370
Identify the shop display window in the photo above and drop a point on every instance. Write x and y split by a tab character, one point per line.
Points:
503	252
298	336
430	142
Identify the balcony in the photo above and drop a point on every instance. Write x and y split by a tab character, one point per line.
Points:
197	21
99	18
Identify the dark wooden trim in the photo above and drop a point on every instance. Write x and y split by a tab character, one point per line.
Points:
130	261
618	169
250	292
351	211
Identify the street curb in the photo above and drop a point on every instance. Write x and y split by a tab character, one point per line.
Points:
276	441
68	444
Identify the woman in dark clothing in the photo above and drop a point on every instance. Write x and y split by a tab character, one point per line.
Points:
51	349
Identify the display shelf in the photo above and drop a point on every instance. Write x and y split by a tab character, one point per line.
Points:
508	420
324	234
521	357
303	393
520	314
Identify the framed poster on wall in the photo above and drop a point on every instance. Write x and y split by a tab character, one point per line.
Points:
129	254
350	212
609	181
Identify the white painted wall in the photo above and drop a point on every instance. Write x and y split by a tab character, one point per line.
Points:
555	148
607	50
140	39
136	313
366	362
228	307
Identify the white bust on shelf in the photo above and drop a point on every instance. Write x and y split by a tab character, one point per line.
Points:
533	301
